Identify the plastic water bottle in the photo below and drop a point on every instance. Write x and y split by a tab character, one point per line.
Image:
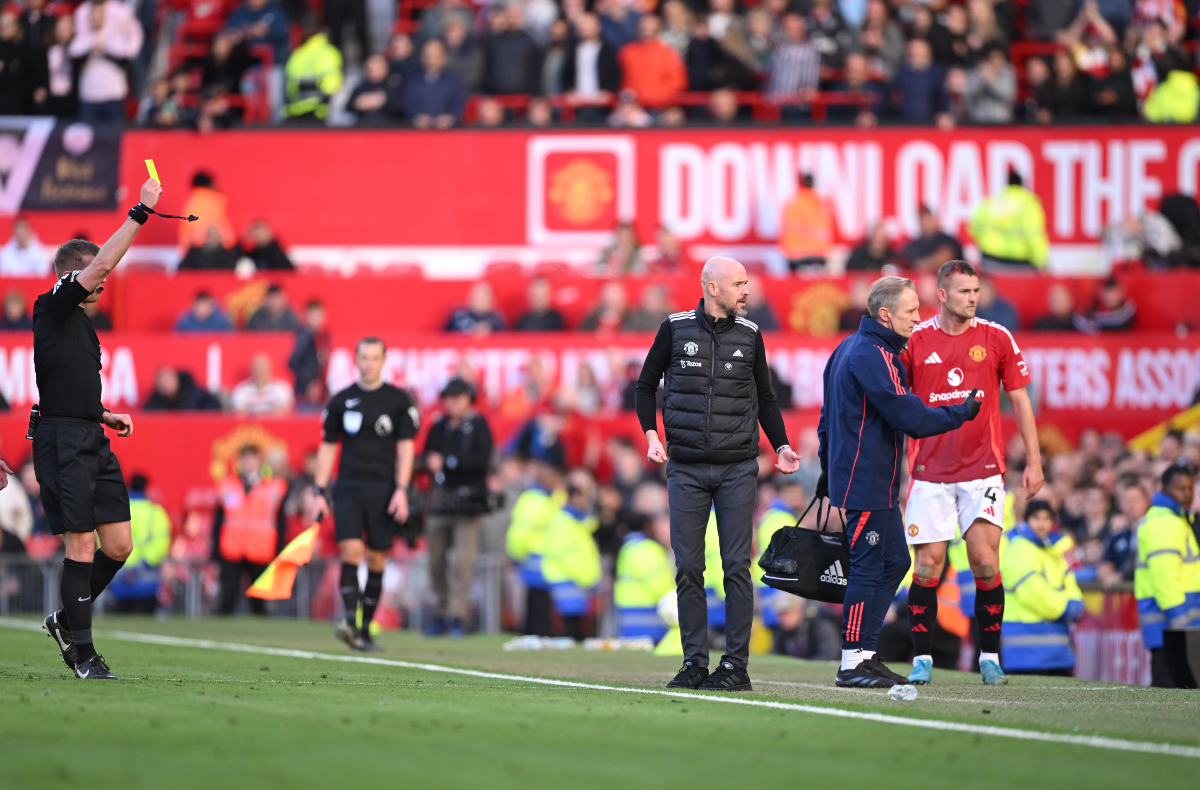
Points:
906	693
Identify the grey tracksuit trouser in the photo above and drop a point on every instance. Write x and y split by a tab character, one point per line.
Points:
732	491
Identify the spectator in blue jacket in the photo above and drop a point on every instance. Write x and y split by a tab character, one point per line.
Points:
918	93
435	97
203	316
261	22
866	415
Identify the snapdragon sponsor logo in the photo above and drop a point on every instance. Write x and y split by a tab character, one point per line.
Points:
949	397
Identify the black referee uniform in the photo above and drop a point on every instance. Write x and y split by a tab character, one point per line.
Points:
79	475
368	423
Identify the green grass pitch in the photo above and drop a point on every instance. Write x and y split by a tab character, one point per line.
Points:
187	717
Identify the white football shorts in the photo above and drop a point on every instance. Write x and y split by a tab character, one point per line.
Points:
935	511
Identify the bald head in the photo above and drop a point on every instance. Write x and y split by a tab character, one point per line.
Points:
725	286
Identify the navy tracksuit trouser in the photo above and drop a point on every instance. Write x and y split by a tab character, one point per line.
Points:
878	561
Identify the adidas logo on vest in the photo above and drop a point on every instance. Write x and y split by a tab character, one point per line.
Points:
833	574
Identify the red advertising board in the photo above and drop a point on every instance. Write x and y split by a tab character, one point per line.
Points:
714	186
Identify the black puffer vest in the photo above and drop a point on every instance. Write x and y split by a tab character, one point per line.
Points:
711	409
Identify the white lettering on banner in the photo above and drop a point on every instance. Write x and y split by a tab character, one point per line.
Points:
118	378
1143	187
850	176
918	181
1156	378
729	192
1070	378
1189	165
1065	156
212	367
964	186
1005	155
18	382
735	190
803	369
1102	185
681	187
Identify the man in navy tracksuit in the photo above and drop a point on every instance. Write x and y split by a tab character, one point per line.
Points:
866	414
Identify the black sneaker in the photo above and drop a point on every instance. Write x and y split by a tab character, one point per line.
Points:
863	678
62	637
94	668
689	677
348	634
880	668
369	645
727	678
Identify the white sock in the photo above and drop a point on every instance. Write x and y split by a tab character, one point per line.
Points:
918	658
851	658
993	657
868	654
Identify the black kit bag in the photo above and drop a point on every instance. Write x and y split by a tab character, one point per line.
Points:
813	564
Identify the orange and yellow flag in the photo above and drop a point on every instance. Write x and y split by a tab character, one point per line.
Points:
276	581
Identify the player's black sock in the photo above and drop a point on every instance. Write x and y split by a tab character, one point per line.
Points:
350	592
922	615
75	589
989	612
104	568
370	599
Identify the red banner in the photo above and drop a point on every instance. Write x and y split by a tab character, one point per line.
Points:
367	304
719	186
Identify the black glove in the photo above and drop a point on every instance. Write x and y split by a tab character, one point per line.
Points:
974	404
822	491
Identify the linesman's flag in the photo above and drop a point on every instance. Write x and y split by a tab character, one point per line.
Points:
276	581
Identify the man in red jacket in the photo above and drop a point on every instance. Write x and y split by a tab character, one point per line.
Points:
652	68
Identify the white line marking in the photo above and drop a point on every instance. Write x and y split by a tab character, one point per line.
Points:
1094	741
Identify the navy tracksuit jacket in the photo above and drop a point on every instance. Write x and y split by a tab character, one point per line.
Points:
866	414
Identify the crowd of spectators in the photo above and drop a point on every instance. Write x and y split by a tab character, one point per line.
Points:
608	61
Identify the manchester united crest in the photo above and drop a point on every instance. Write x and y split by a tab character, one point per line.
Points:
913	529
977	353
690	348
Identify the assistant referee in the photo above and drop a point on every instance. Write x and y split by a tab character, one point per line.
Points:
83	491
376	423
718	392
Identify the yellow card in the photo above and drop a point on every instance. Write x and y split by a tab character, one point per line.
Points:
152	169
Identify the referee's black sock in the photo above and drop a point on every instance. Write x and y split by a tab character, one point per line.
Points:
922	614
104	568
370	600
350	592
75	590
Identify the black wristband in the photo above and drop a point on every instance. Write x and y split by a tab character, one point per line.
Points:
139	214
318	491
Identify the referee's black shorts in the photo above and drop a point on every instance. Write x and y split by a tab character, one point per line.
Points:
360	506
80	476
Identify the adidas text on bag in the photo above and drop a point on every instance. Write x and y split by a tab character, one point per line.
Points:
833	574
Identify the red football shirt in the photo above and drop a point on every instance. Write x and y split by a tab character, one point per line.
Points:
943	369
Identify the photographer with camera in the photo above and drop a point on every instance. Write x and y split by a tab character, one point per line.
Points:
458	452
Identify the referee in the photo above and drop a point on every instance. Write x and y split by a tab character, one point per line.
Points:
83	491
375	423
718	392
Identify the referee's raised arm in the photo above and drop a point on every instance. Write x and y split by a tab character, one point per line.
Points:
118	244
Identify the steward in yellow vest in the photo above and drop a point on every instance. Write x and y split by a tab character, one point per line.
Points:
1010	229
135	587
532	513
1042	598
645	573
570	557
1166	579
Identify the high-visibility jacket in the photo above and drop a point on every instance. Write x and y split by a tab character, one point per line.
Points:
956	555
532	513
714	571
645	573
1175	100
776	518
314	74
150	531
1166	579
1041	599
1012	225
569	552
250	528
806	228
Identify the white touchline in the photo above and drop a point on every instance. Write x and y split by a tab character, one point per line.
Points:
1095	741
